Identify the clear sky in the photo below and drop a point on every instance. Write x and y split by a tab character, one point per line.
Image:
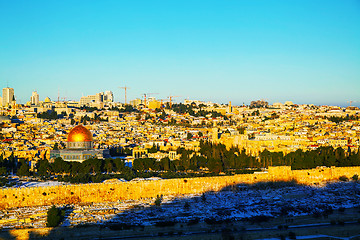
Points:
305	51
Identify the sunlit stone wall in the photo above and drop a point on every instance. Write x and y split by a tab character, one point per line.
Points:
110	192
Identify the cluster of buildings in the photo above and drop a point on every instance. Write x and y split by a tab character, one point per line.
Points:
286	130
99	100
8	97
279	127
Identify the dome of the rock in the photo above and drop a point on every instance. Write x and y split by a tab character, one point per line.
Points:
80	134
79	147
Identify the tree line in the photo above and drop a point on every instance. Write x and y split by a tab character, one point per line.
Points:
211	160
217	158
336	119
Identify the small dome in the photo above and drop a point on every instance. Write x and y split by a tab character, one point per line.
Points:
80	134
47	99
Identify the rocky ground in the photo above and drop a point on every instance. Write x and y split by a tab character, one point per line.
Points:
256	203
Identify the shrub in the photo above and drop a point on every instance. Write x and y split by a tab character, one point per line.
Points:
341	223
292	235
54	217
328	210
316	214
341	209
355	177
158	200
203	197
120	226
259	219
343	178
212	221
193	221
165	224
226	234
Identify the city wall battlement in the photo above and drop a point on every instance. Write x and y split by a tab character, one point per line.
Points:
111	192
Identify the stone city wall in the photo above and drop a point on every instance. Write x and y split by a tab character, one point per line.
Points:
110	192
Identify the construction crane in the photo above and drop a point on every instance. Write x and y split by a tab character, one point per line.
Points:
60	98
162	102
350	102
125	88
146	95
170	99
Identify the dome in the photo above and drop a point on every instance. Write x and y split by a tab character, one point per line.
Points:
47	99
80	134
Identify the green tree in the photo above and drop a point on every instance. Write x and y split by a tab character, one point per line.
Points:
153	149
60	166
340	157
43	168
24	169
166	164
119	164
108	165
215	165
92	165
56	146
142	164
75	168
11	163
3	171
241	130
189	136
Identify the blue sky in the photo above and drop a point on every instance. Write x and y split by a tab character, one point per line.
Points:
304	51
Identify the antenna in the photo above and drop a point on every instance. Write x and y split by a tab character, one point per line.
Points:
125	88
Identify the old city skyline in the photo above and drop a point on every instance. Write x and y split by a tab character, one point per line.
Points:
154	119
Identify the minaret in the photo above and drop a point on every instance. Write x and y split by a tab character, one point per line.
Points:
230	108
215	134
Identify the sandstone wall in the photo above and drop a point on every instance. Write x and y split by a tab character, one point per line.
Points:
108	192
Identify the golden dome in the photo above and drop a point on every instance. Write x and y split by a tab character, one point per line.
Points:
79	134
